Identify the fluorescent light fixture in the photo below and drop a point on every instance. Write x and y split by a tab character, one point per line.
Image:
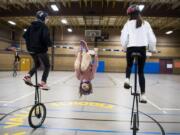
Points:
54	7
141	7
64	21
11	22
69	30
25	30
169	32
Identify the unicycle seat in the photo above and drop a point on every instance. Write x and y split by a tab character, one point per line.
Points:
136	54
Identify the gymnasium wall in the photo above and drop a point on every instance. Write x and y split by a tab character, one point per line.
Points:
5	37
169	45
5	42
7	58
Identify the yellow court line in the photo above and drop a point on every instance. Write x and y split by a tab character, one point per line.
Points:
82	103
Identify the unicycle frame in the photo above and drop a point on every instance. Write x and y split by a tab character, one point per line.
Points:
37	105
37	92
15	65
135	105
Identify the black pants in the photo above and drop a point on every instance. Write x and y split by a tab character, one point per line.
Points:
141	63
43	57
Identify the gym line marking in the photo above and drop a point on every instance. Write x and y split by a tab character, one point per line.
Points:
17	99
17	133
20	98
17	120
82	103
162	109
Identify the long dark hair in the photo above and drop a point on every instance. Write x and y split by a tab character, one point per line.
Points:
137	17
83	92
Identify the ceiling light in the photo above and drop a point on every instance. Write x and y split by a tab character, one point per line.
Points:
25	30
169	32
141	7
11	22
64	21
54	7
69	30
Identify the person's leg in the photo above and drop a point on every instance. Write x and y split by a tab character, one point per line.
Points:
129	61
27	77
45	61
84	45
86	60
141	63
36	64
77	61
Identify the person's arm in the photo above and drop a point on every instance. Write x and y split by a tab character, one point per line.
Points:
26	36
124	38
78	74
77	65
18	58
151	38
46	37
95	64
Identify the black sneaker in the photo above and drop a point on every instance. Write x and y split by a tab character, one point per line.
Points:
127	84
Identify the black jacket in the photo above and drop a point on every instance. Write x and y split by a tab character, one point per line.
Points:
37	37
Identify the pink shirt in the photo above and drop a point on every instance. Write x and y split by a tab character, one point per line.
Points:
88	75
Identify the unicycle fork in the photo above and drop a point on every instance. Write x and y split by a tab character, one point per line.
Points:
37	114
135	105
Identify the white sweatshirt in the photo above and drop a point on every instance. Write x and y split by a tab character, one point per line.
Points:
137	37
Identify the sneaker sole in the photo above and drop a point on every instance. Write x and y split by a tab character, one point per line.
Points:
28	83
143	102
127	86
44	89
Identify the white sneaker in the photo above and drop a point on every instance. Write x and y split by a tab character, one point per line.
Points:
27	80
143	98
44	86
127	83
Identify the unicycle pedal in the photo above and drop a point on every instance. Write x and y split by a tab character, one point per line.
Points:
43	88
28	83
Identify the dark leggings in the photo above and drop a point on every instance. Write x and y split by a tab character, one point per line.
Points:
43	57
141	63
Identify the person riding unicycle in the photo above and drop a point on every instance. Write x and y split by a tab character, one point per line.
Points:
136	35
37	39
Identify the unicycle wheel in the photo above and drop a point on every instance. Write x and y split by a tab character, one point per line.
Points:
14	74
134	124
37	115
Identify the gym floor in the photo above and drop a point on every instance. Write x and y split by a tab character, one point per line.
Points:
105	112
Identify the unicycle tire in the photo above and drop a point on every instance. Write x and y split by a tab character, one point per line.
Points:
38	111
135	126
14	74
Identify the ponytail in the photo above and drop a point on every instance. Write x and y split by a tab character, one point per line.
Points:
138	21
137	17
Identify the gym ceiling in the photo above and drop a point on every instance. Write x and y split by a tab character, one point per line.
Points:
162	14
